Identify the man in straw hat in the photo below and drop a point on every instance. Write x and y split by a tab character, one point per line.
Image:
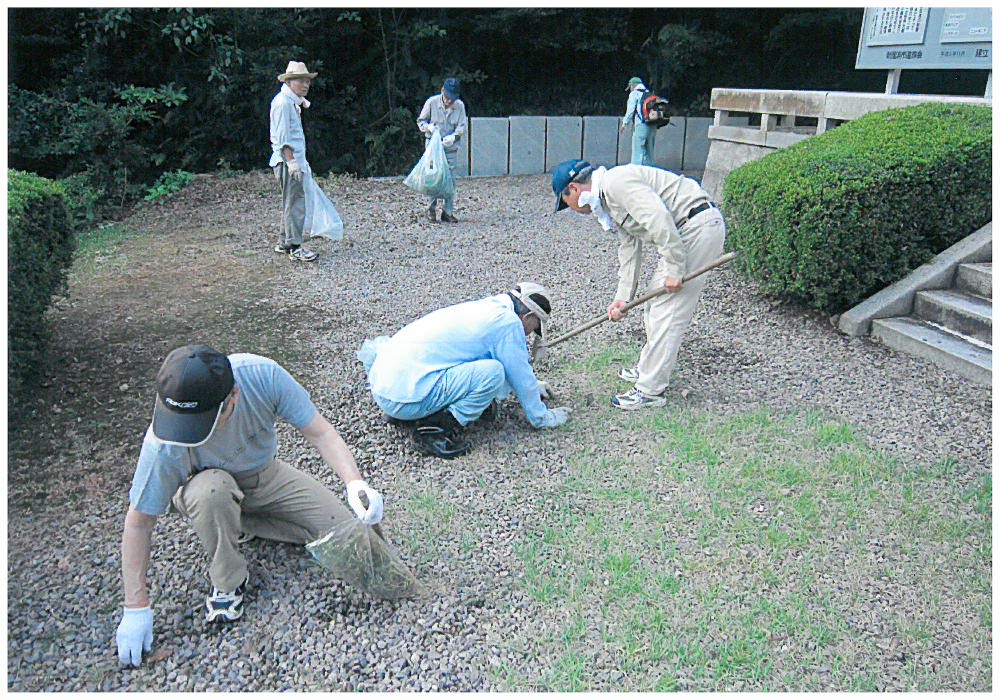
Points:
210	454
288	158
670	213
445	370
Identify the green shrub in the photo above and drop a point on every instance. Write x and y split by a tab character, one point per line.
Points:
84	198
169	183
837	217
40	244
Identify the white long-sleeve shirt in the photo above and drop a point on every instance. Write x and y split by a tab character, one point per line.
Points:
409	363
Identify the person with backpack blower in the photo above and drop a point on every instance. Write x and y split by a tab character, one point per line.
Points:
646	112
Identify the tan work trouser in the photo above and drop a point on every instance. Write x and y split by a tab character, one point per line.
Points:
667	317
293	207
277	503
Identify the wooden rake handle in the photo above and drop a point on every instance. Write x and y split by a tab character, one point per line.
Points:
639	300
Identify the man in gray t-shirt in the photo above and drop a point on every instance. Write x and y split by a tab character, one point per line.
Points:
210	454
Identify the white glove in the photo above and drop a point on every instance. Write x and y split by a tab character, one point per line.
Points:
373	515
544	390
430	128
557	416
294	170
135	635
449	140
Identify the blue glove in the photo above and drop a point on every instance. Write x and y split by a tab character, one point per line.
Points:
135	635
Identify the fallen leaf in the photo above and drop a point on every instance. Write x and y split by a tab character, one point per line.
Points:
63	563
684	393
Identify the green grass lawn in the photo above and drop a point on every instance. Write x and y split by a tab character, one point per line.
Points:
760	550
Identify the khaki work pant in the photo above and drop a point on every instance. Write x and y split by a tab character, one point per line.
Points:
277	503
667	317
293	208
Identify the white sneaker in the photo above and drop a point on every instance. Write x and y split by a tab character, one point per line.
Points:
629	374
301	254
224	606
634	399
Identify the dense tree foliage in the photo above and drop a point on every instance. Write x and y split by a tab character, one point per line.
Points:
111	97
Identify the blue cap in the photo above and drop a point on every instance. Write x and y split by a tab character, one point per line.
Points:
452	88
563	175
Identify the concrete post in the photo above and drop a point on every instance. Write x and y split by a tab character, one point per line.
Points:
721	117
892	81
768	122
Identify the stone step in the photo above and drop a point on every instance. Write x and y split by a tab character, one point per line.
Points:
957	311
944	349
976	278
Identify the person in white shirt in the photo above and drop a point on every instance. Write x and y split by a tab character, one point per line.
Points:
288	158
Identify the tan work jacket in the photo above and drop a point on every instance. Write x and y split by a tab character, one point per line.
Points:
647	203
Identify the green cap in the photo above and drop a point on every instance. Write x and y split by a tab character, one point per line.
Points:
633	82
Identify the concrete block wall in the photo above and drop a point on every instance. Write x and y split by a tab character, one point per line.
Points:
529	145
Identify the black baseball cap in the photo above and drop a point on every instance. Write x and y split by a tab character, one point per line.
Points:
190	388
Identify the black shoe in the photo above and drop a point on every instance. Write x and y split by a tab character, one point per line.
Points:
437	435
447	218
492	412
432	215
398	422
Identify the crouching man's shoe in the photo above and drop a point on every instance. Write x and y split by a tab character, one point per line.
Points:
437	435
225	607
448	218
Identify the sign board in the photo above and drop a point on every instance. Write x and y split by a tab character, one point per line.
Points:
926	37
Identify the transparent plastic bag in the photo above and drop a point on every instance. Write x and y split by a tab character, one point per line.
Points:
369	350
359	554
431	175
322	218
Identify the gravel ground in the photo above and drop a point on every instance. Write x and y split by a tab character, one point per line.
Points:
69	472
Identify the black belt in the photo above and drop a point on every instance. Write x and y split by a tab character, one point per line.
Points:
697	210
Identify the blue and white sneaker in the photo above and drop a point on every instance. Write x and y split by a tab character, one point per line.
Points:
225	607
634	399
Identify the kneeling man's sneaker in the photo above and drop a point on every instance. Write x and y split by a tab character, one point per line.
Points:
634	399
225	607
629	374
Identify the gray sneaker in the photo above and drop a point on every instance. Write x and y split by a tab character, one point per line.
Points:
634	399
629	374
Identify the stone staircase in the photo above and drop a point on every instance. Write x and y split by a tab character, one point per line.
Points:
952	328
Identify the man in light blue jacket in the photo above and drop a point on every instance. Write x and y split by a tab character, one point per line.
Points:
643	135
443	371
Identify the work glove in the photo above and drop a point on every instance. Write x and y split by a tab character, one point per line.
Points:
135	635
544	390
373	514
449	140
430	128
557	416
294	170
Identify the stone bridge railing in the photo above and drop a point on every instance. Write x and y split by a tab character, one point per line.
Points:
786	117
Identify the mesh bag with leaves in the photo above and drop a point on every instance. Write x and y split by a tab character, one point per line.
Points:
360	555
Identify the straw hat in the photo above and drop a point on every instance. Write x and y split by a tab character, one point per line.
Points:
296	69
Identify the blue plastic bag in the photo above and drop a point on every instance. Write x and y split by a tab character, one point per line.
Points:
431	175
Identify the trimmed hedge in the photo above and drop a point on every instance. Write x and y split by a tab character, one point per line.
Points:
40	245
837	217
